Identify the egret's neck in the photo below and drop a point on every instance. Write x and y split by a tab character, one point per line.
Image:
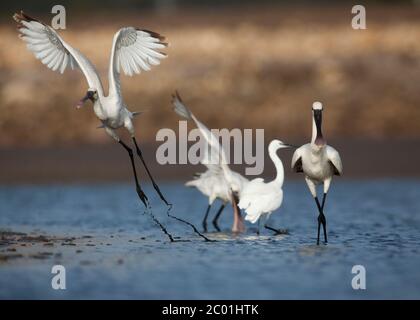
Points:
278	164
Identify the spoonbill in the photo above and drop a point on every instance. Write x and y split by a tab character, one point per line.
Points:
258	198
212	184
133	49
319	162
219	181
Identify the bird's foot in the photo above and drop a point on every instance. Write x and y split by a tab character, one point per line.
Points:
281	231
277	231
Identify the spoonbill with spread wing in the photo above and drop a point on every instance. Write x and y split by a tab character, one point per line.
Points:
319	162
134	50
219	181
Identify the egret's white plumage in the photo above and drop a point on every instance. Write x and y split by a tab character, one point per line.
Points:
133	50
319	162
212	184
218	181
259	198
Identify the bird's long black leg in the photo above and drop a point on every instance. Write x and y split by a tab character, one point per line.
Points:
319	229
323	201
155	186
325	220
141	194
259	227
276	231
216	217
139	190
205	218
321	220
139	153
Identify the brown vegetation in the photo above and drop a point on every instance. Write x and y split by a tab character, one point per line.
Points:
255	68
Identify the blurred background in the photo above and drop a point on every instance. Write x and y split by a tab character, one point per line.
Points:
237	64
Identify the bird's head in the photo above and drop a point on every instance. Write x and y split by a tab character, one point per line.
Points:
235	188
278	144
235	193
91	94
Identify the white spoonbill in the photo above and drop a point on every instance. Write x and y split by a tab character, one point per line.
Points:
133	49
319	162
258	198
219	181
212	184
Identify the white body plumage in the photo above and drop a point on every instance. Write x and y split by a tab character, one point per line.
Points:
259	198
133	49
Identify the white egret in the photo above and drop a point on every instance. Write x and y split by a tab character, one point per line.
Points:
258	198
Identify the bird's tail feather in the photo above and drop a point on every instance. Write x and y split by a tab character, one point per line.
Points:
179	106
252	218
252	215
191	183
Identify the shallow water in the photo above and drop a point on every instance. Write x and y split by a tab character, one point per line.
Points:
117	252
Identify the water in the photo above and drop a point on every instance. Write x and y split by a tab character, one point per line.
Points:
119	253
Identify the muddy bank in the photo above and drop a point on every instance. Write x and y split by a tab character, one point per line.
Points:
28	248
106	163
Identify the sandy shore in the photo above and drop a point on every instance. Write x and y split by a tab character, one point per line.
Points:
23	248
17	247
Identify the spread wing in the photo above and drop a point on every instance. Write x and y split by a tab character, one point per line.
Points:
297	160
134	50
214	157
335	160
52	50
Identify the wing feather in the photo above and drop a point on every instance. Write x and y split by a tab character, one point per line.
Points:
335	160
297	160
47	46
48	59
59	61
140	61
216	155
64	64
54	61
134	50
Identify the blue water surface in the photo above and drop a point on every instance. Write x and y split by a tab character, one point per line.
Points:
119	252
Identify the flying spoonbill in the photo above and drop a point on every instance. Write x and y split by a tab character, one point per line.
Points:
319	162
258	198
134	50
219	181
